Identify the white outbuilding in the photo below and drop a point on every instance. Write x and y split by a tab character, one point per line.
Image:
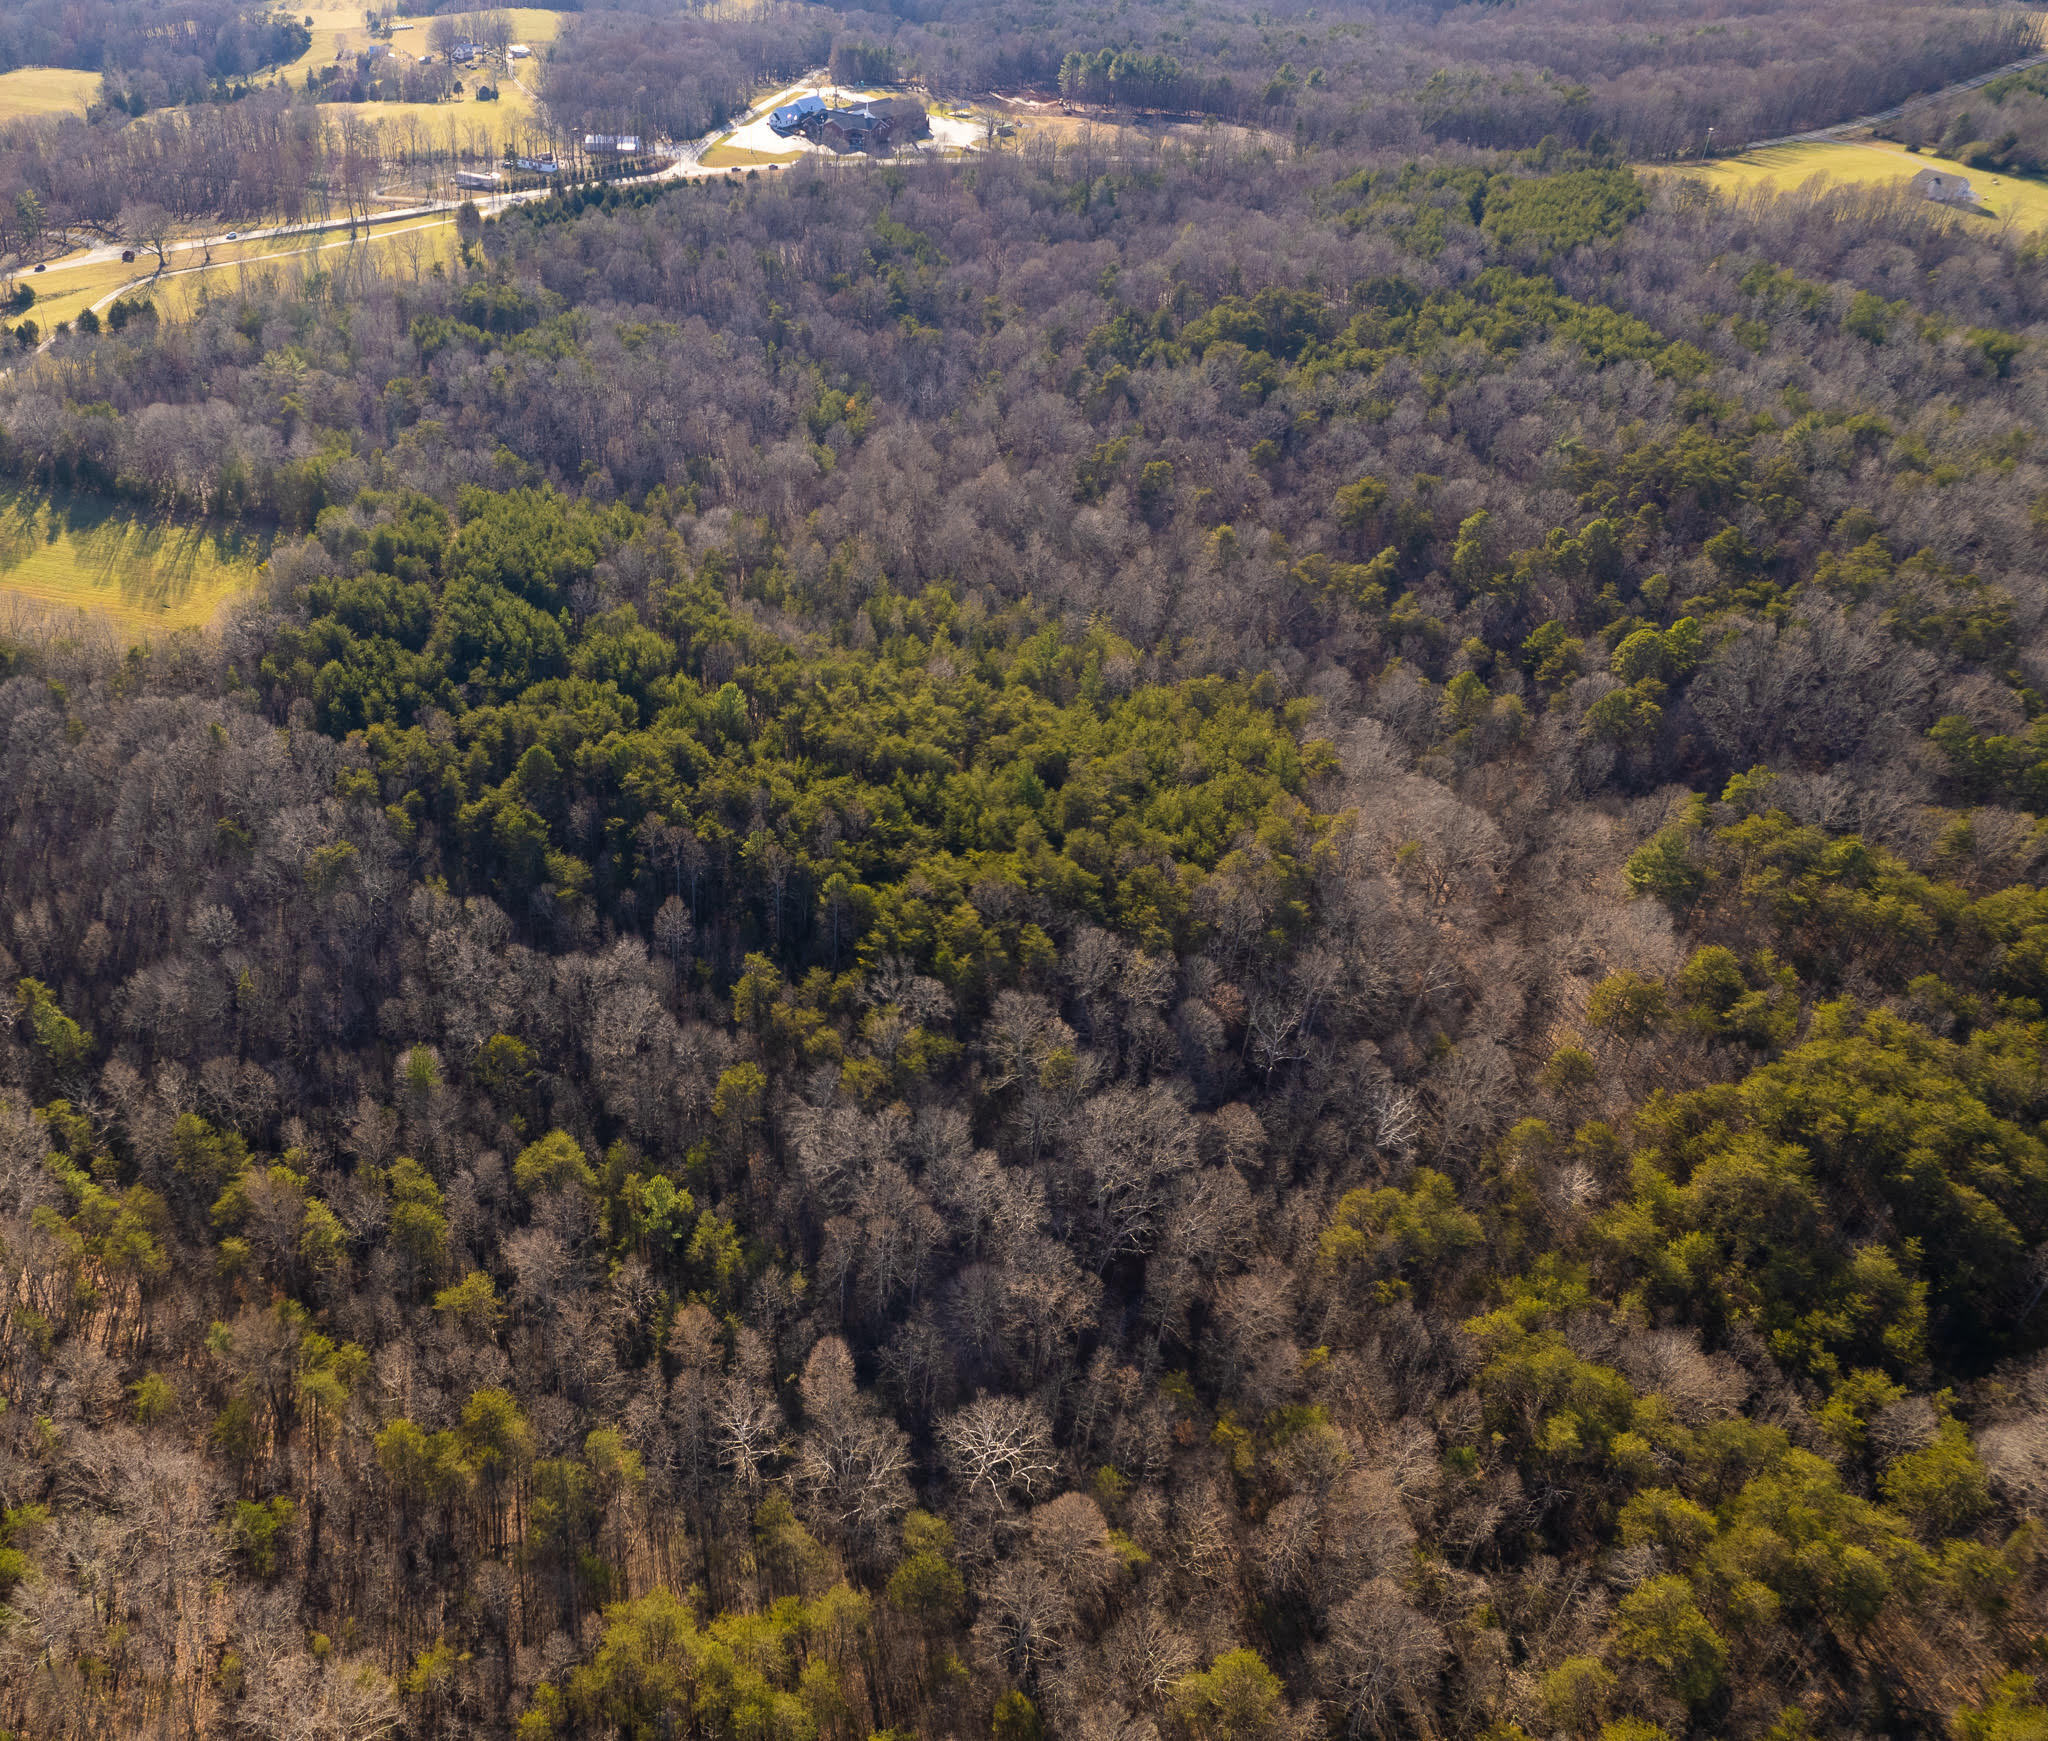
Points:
1943	188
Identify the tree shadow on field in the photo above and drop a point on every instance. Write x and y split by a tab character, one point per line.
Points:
64	544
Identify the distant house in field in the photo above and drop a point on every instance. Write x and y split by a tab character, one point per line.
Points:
1943	188
519	51
612	144
479	180
537	165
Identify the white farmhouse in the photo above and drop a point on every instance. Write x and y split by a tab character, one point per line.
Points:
1943	188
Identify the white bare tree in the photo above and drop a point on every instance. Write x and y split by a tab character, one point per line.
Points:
999	1448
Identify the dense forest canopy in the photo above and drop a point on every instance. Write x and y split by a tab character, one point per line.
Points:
1230	938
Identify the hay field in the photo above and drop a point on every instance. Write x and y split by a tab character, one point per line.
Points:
1872	163
146	573
46	90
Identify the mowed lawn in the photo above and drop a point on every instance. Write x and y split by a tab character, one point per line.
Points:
67	552
46	90
1873	163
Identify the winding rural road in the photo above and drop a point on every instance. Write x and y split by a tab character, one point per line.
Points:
1897	109
687	164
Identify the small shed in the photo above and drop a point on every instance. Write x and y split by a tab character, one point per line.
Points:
1943	188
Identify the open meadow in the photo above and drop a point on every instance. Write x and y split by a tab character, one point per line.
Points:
478	129
339	31
72	552
461	124
46	90
1876	164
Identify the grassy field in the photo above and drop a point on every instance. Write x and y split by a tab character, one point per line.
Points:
338	30
1873	163
403	246
79	553
482	127
725	155
46	90
65	291
485	127
60	294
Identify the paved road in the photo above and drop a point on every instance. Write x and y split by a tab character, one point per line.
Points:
1898	109
685	165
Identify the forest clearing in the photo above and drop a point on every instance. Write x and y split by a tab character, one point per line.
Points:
752	141
46	90
339	31
1870	163
146	573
